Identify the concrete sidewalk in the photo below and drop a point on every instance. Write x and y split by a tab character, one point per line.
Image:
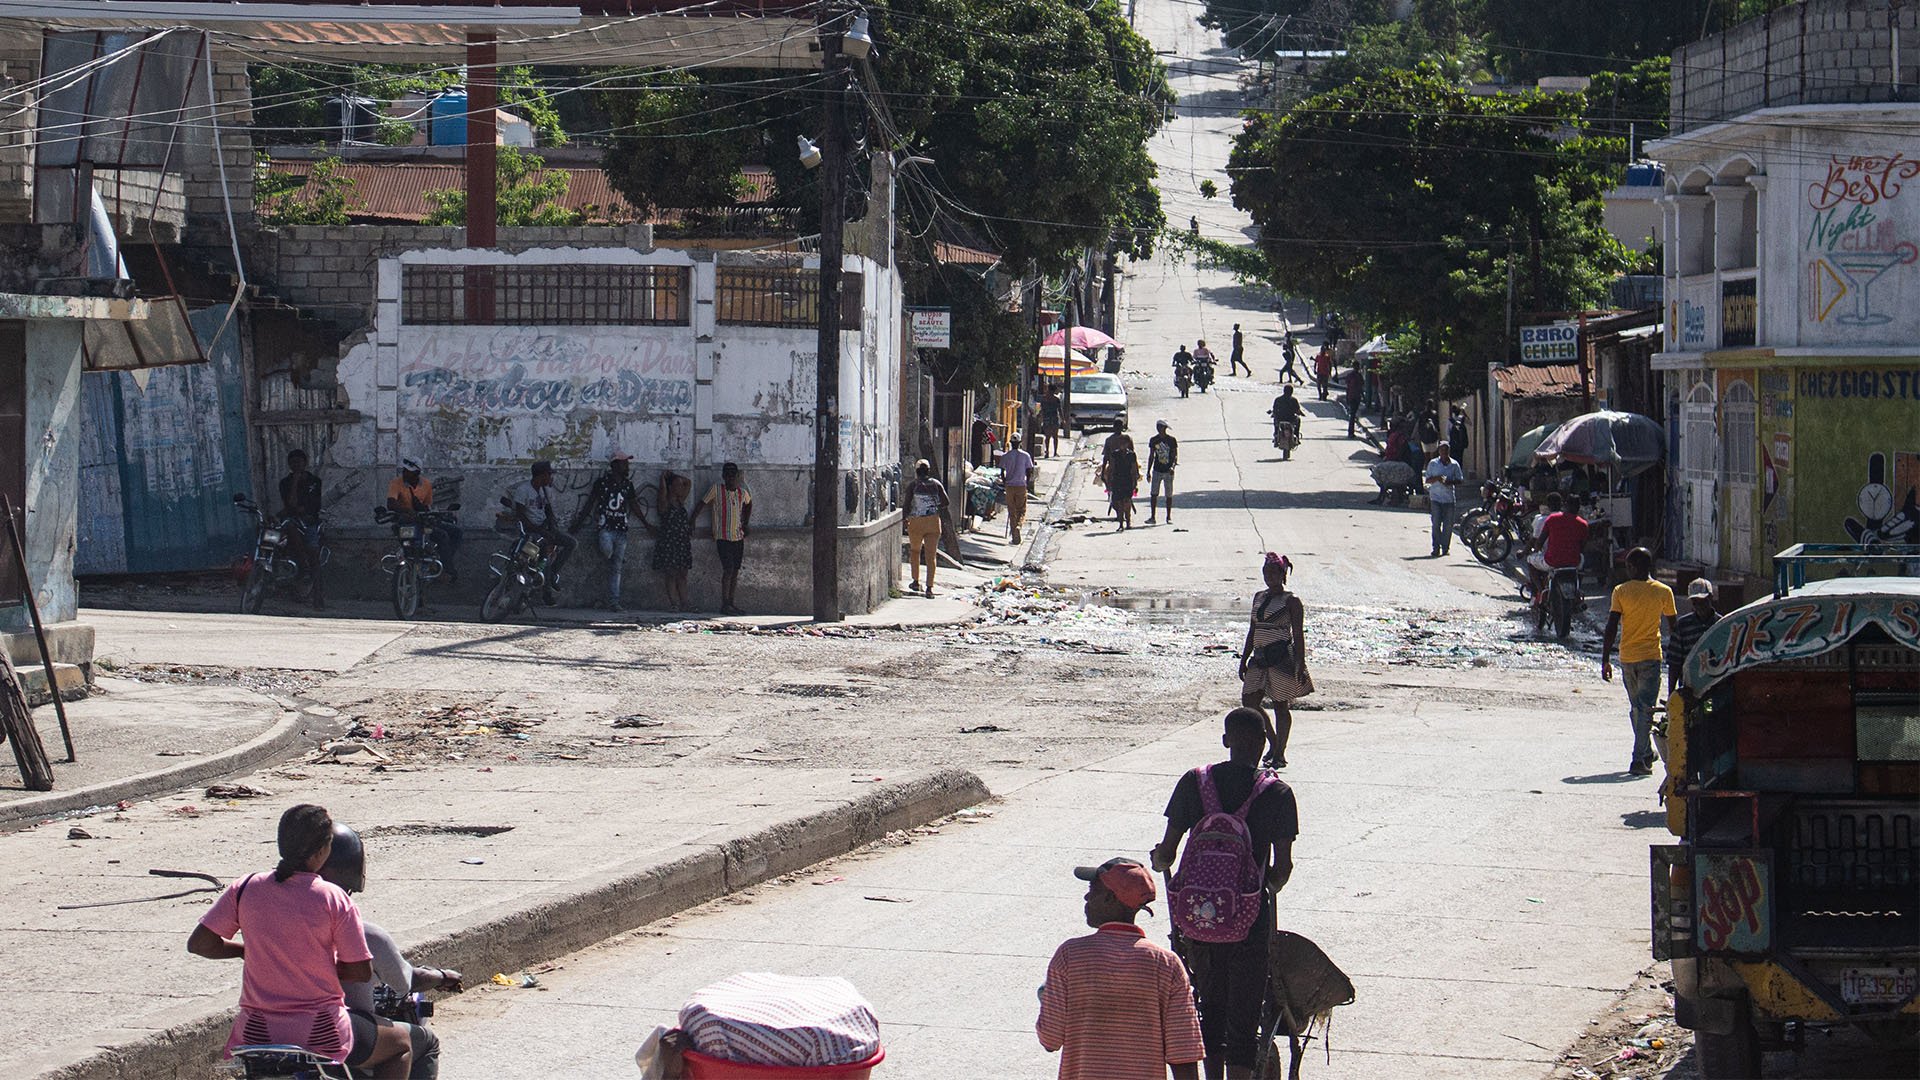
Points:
483	869
1474	955
135	738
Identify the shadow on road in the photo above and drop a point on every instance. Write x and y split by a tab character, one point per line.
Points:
1644	819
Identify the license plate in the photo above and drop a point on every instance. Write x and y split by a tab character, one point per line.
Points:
1878	986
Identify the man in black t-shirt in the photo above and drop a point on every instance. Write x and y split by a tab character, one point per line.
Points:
300	508
1231	977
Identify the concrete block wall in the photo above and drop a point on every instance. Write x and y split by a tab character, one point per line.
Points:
1818	52
232	112
17	67
332	271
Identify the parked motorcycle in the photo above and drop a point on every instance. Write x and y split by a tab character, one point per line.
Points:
519	570
415	559
1202	375
1494	529
273	563
1183	378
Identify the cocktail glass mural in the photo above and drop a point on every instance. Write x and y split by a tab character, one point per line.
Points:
1862	269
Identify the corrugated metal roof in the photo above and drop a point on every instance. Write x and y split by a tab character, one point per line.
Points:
397	191
959	255
1542	380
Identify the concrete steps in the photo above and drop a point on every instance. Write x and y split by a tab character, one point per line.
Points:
71	679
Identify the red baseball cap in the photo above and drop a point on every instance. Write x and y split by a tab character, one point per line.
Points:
1127	879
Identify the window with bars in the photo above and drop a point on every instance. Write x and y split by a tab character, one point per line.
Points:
545	295
758	296
1740	442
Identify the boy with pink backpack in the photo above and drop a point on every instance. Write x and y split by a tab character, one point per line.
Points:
1239	822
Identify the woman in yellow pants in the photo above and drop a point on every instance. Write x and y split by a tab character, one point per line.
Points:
926	508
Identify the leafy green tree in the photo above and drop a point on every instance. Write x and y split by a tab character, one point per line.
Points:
665	160
989	341
528	194
290	99
321	197
1437	188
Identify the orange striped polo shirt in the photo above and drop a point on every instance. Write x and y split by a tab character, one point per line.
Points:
1119	1007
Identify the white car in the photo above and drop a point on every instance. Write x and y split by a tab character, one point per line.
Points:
1099	400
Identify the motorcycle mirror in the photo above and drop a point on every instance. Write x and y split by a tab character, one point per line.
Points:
451	507
238	497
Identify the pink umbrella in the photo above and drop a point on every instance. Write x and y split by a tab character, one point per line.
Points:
1084	337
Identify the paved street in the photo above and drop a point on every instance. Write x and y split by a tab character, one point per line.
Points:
1471	852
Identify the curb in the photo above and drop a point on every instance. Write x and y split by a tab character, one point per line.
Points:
249	755
506	938
1075	470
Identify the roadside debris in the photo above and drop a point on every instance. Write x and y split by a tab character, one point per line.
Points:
522	981
237	791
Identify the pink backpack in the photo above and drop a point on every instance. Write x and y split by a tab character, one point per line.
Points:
1216	893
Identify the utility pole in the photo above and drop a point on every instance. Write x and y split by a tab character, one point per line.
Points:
826	410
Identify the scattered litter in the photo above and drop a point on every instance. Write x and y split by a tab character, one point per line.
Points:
889	899
172	753
1535	900
78	833
474	862
982	729
349	752
869	779
522	981
828	880
974	814
637	720
238	791
188	810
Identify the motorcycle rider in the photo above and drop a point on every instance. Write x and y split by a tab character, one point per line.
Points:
533	505
408	496
1182	375
1182	358
1563	538
300	509
346	867
1203	368
1286	408
1203	356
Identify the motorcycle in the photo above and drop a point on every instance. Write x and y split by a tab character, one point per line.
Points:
1492	531
415	559
1286	434
1564	598
272	564
1203	375
286	1062
1183	378
520	570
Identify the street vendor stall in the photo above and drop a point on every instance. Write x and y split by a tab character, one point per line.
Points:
1619	448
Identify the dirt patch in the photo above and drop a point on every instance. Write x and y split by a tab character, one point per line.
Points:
1635	1039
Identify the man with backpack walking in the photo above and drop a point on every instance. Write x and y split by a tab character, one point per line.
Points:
1239	823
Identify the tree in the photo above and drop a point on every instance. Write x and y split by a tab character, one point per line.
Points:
989	341
1263	27
665	158
528	194
1438	188
319	198
290	99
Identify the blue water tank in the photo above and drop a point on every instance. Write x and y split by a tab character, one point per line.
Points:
447	125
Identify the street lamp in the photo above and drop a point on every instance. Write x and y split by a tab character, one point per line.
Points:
856	42
810	156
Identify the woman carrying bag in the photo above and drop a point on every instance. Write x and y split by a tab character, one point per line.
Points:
1273	662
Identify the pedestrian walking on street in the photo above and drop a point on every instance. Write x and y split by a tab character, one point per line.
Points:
1230	977
1050	419
1116	1006
732	506
1640	604
1292	353
1016	474
1273	660
1163	453
673	538
1121	471
1323	371
609	504
926	510
1355	384
1443	477
1237	358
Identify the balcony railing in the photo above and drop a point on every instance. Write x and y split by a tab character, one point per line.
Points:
545	295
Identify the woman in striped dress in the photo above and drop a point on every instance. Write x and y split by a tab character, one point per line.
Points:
1273	662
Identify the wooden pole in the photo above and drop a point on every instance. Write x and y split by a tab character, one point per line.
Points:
16	725
39	630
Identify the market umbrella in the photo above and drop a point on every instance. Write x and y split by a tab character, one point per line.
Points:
1625	441
1050	362
1524	446
1084	337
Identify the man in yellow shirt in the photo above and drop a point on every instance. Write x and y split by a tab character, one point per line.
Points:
1639	605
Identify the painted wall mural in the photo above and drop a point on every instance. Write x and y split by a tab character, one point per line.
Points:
511	371
1860	237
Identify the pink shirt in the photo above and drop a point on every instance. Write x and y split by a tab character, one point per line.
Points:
1118	1007
295	932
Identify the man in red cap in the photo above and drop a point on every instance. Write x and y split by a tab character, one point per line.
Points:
1117	1006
